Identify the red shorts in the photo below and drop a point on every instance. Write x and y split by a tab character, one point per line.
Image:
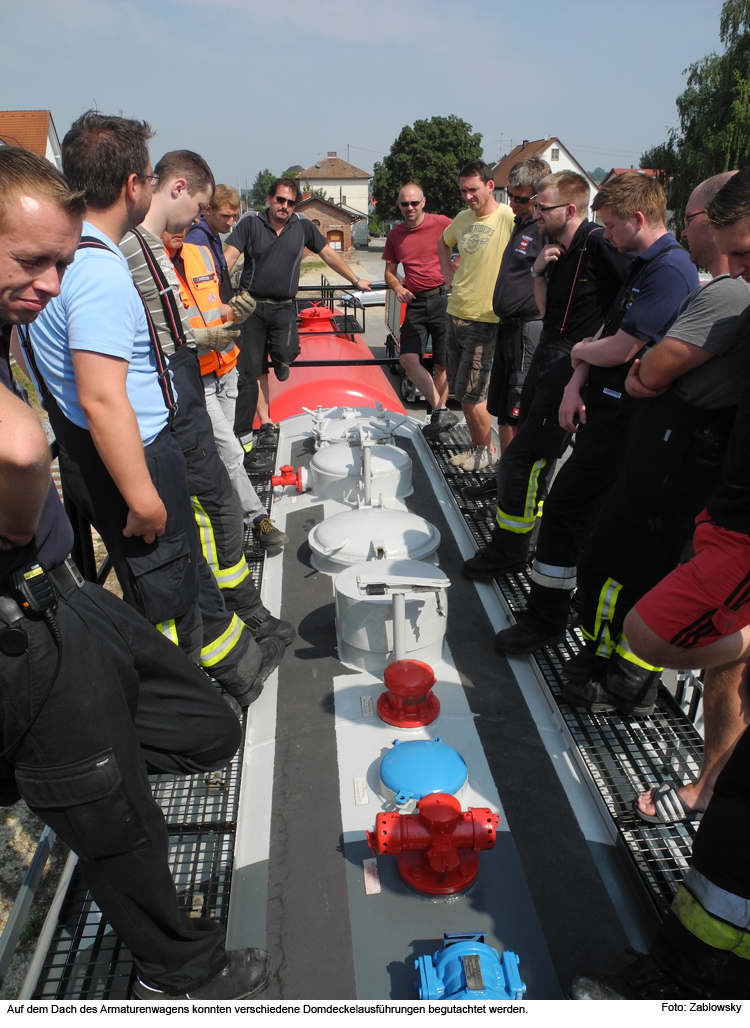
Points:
706	598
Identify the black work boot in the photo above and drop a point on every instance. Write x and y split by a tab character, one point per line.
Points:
486	487
586	666
527	635
635	688
246	974
487	564
263	625
642	979
272	650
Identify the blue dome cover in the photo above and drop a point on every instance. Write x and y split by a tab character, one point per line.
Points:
420	767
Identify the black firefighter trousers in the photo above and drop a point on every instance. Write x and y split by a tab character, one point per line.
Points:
125	703
672	464
524	468
573	503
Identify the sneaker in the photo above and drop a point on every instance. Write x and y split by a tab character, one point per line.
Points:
458	460
263	625
486	564
481	458
441	421
247	974
272	650
268	535
526	637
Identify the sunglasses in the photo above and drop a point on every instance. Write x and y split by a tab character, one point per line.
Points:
409	203
540	208
520	199
284	200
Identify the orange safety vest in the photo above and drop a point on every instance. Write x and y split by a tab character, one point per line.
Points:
200	294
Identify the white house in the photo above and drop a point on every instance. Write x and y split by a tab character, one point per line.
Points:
552	151
343	183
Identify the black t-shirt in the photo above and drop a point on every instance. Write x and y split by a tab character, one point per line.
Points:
730	504
272	261
513	298
602	273
54	536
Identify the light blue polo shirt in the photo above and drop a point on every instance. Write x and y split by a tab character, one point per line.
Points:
99	310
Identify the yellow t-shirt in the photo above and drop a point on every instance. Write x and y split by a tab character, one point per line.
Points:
481	242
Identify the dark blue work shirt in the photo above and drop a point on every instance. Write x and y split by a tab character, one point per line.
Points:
202	235
656	286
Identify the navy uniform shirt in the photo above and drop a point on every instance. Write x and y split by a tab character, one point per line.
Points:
54	536
202	235
272	261
603	270
513	299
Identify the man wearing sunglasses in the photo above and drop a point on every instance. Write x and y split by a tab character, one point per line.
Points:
273	245
414	245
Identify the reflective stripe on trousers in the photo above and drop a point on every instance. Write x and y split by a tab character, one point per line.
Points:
218	649
718	918
227	578
553	577
513	523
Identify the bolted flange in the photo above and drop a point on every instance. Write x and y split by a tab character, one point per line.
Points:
408	701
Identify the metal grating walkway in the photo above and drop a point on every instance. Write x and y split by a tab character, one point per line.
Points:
624	756
86	959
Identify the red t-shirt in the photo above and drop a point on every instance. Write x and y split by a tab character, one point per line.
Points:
416	249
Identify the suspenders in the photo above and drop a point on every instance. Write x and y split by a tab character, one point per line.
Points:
575	280
165	379
166	293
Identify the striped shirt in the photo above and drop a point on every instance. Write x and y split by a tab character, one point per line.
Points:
151	289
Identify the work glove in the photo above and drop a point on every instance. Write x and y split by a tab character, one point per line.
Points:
218	338
243	306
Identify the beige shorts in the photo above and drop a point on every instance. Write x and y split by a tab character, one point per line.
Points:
470	348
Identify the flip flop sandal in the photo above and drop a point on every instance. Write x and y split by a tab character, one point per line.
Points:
670	807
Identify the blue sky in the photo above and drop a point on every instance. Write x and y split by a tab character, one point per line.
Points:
251	84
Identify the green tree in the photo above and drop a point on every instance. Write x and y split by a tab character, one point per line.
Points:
320	194
713	112
260	188
431	153
597	174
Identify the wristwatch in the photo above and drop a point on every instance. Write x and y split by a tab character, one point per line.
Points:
536	274
355	285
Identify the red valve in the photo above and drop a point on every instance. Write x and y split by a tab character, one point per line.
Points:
289	476
437	847
409	701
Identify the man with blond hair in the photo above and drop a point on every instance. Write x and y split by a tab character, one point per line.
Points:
217	220
576	279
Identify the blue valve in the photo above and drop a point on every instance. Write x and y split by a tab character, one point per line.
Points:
466	968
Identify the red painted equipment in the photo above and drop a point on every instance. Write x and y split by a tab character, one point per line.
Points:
290	476
409	701
354	386
437	847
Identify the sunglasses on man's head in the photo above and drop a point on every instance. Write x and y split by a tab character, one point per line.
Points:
409	203
282	200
